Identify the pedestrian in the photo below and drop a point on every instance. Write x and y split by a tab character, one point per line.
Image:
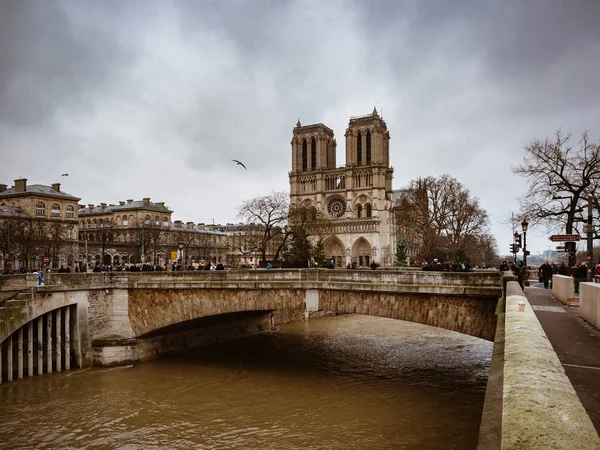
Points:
546	272
41	277
269	266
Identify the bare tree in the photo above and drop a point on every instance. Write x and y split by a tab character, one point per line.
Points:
439	218
561	179
270	212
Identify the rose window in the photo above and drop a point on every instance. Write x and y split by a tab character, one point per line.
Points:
336	207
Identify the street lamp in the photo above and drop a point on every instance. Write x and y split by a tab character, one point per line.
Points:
181	245
524	226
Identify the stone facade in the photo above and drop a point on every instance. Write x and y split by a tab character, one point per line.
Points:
357	197
38	226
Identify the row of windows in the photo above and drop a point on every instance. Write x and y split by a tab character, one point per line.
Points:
123	221
40	210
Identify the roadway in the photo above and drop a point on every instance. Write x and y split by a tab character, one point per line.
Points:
576	343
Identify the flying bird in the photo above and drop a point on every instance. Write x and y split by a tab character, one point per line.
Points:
65	175
239	163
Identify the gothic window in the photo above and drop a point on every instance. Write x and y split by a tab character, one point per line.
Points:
304	156
156	220
336	207
165	221
368	147
368	208
100	223
94	224
359	149
89	223
147	220
125	221
69	212
83	224
55	210
359	211
313	154
40	209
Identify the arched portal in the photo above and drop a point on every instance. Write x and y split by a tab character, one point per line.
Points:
361	252
107	260
334	249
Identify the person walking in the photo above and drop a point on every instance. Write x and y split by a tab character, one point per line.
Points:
546	271
41	278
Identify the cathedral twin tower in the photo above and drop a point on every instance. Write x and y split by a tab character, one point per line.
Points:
357	198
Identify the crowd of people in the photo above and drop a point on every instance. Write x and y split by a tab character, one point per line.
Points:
446	266
579	272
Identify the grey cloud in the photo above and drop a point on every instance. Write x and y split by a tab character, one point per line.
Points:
49	63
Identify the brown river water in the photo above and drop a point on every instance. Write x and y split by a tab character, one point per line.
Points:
346	382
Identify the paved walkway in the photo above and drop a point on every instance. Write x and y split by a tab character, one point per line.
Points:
576	343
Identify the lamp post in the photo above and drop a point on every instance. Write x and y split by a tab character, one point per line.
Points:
524	226
181	245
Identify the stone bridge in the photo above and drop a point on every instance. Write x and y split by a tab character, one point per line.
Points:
121	317
113	318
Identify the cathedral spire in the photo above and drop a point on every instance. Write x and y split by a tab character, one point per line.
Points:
298	124
374	113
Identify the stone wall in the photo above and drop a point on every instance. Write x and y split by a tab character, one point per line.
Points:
539	406
469	315
563	288
589	303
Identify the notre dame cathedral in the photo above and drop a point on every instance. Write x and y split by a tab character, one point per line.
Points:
357	197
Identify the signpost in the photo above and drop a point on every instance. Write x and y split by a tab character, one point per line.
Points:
564	237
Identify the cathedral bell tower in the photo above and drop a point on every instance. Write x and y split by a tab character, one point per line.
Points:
313	148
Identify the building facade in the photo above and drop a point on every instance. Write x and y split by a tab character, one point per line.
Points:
135	232
355	198
38	226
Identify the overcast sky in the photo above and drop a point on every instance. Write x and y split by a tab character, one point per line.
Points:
154	98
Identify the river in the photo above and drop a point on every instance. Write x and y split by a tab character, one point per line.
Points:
346	382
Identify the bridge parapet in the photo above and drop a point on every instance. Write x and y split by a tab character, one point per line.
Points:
530	402
410	281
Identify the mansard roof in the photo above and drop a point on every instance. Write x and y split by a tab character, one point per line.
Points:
38	189
133	205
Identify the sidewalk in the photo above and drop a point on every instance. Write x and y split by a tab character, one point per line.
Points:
576	343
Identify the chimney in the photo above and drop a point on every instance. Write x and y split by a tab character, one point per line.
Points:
146	200
91	205
160	204
20	185
121	203
178	223
80	206
3	187
56	187
129	201
190	225
103	205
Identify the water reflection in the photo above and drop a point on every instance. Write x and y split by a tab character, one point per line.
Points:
337	383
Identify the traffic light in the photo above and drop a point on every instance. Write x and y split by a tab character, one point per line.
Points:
570	247
517	240
527	253
514	248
